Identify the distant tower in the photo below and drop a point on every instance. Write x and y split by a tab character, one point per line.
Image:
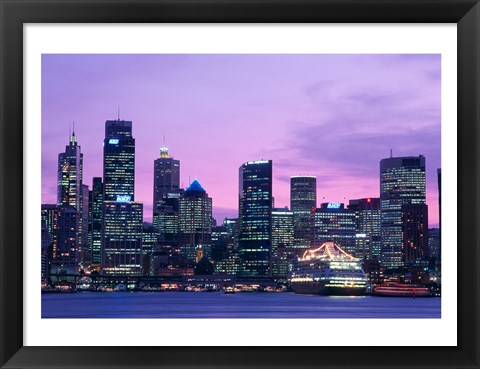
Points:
166	177
195	221
255	218
122	224
95	221
70	194
282	240
402	182
303	199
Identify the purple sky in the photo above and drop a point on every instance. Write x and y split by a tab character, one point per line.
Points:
332	116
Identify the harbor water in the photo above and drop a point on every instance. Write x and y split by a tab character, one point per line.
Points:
167	305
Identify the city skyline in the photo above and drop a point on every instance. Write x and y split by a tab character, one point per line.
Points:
347	123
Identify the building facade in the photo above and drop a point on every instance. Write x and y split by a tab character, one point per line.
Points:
414	234
334	223
282	240
195	222
255	217
303	199
95	222
402	182
367	219
166	177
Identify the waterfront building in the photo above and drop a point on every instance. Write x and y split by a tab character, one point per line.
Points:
414	233
303	199
65	241
282	240
122	237
166	177
95	222
367	219
149	245
402	182
48	217
255	217
46	243
434	244
165	219
195	221
334	223
122	219
84	254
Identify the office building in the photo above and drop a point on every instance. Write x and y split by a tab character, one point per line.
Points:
402	182
84	254
166	177
414	233
195	222
282	240
65	241
95	222
334	223
367	219
303	199
255	217
122	219
166	219
69	175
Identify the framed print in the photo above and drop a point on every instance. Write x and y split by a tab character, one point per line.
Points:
227	184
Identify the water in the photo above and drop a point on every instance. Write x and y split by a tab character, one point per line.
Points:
239	305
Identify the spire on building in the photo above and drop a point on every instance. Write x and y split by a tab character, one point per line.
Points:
73	138
164	150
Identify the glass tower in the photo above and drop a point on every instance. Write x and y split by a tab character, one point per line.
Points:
122	217
195	222
402	182
255	217
303	199
282	240
166	178
367	214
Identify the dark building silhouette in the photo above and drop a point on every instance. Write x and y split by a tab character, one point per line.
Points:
95	222
402	182
303	199
414	233
255	217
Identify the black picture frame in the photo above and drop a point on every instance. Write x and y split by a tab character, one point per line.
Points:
15	13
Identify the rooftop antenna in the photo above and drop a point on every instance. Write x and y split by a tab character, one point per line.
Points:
164	140
391	153
73	128
118	113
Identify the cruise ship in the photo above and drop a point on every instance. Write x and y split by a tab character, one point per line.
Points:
328	270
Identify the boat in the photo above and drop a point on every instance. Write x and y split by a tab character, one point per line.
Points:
395	289
327	270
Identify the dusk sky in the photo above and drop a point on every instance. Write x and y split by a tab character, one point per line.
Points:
332	116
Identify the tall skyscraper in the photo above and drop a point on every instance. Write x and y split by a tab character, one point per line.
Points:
334	223
70	193
402	182
122	223
414	233
282	240
118	161
303	199
255	217
69	175
166	177
195	221
95	222
367	218
84	254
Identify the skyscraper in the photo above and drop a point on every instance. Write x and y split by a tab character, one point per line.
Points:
282	240
65	243
122	223
367	219
255	217
195	221
303	198
166	177
84	254
118	160
402	182
414	233
70	194
95	222
334	223
69	175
